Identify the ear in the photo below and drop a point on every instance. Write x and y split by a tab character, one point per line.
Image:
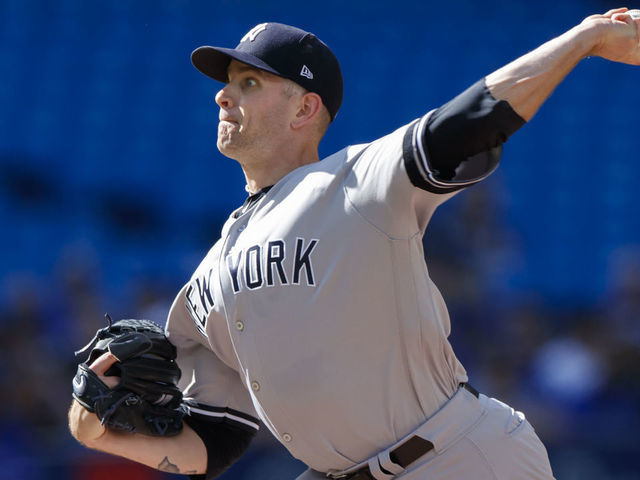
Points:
308	108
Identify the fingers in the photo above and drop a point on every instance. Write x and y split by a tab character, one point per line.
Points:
630	17
614	11
624	14
103	363
623	17
609	14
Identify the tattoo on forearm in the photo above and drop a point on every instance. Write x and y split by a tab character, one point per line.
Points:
166	466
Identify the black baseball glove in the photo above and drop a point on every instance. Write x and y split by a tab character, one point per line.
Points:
146	399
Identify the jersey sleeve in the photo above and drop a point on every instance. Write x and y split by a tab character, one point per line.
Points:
393	185
423	174
212	389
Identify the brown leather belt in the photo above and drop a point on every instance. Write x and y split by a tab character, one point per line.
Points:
404	455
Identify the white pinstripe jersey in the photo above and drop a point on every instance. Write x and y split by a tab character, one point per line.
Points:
315	313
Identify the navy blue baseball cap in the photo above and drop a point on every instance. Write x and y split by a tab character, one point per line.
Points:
285	51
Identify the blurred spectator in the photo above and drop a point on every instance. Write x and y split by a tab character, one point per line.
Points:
570	368
34	382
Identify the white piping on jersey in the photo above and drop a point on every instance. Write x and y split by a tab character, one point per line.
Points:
420	157
226	415
422	162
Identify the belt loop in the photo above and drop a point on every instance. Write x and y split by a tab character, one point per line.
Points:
470	389
377	472
389	465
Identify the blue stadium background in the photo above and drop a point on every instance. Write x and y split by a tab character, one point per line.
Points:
111	190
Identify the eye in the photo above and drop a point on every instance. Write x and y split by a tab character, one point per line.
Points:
250	82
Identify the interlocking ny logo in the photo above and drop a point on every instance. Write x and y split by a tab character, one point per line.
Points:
254	32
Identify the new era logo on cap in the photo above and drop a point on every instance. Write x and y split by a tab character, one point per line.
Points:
305	72
282	50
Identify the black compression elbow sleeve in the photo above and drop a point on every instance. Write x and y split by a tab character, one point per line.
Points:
471	123
225	443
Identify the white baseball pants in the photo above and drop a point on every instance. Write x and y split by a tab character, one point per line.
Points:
474	438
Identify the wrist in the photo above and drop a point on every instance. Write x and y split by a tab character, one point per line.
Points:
586	38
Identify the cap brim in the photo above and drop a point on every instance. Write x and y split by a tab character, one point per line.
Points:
214	61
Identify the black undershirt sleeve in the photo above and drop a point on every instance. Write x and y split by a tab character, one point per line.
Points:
224	440
471	123
459	143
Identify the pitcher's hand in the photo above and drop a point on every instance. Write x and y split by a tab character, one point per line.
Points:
617	35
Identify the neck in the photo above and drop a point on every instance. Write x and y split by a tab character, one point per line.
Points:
263	173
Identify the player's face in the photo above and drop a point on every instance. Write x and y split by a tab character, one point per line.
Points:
254	113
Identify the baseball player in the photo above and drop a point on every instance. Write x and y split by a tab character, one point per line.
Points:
314	313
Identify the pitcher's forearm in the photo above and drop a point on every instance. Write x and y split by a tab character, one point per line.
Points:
184	453
529	80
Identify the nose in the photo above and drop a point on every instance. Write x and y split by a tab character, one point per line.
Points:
223	99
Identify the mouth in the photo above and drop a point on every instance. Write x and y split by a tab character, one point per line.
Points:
228	120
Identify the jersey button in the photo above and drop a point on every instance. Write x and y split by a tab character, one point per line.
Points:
255	386
241	228
239	326
286	437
